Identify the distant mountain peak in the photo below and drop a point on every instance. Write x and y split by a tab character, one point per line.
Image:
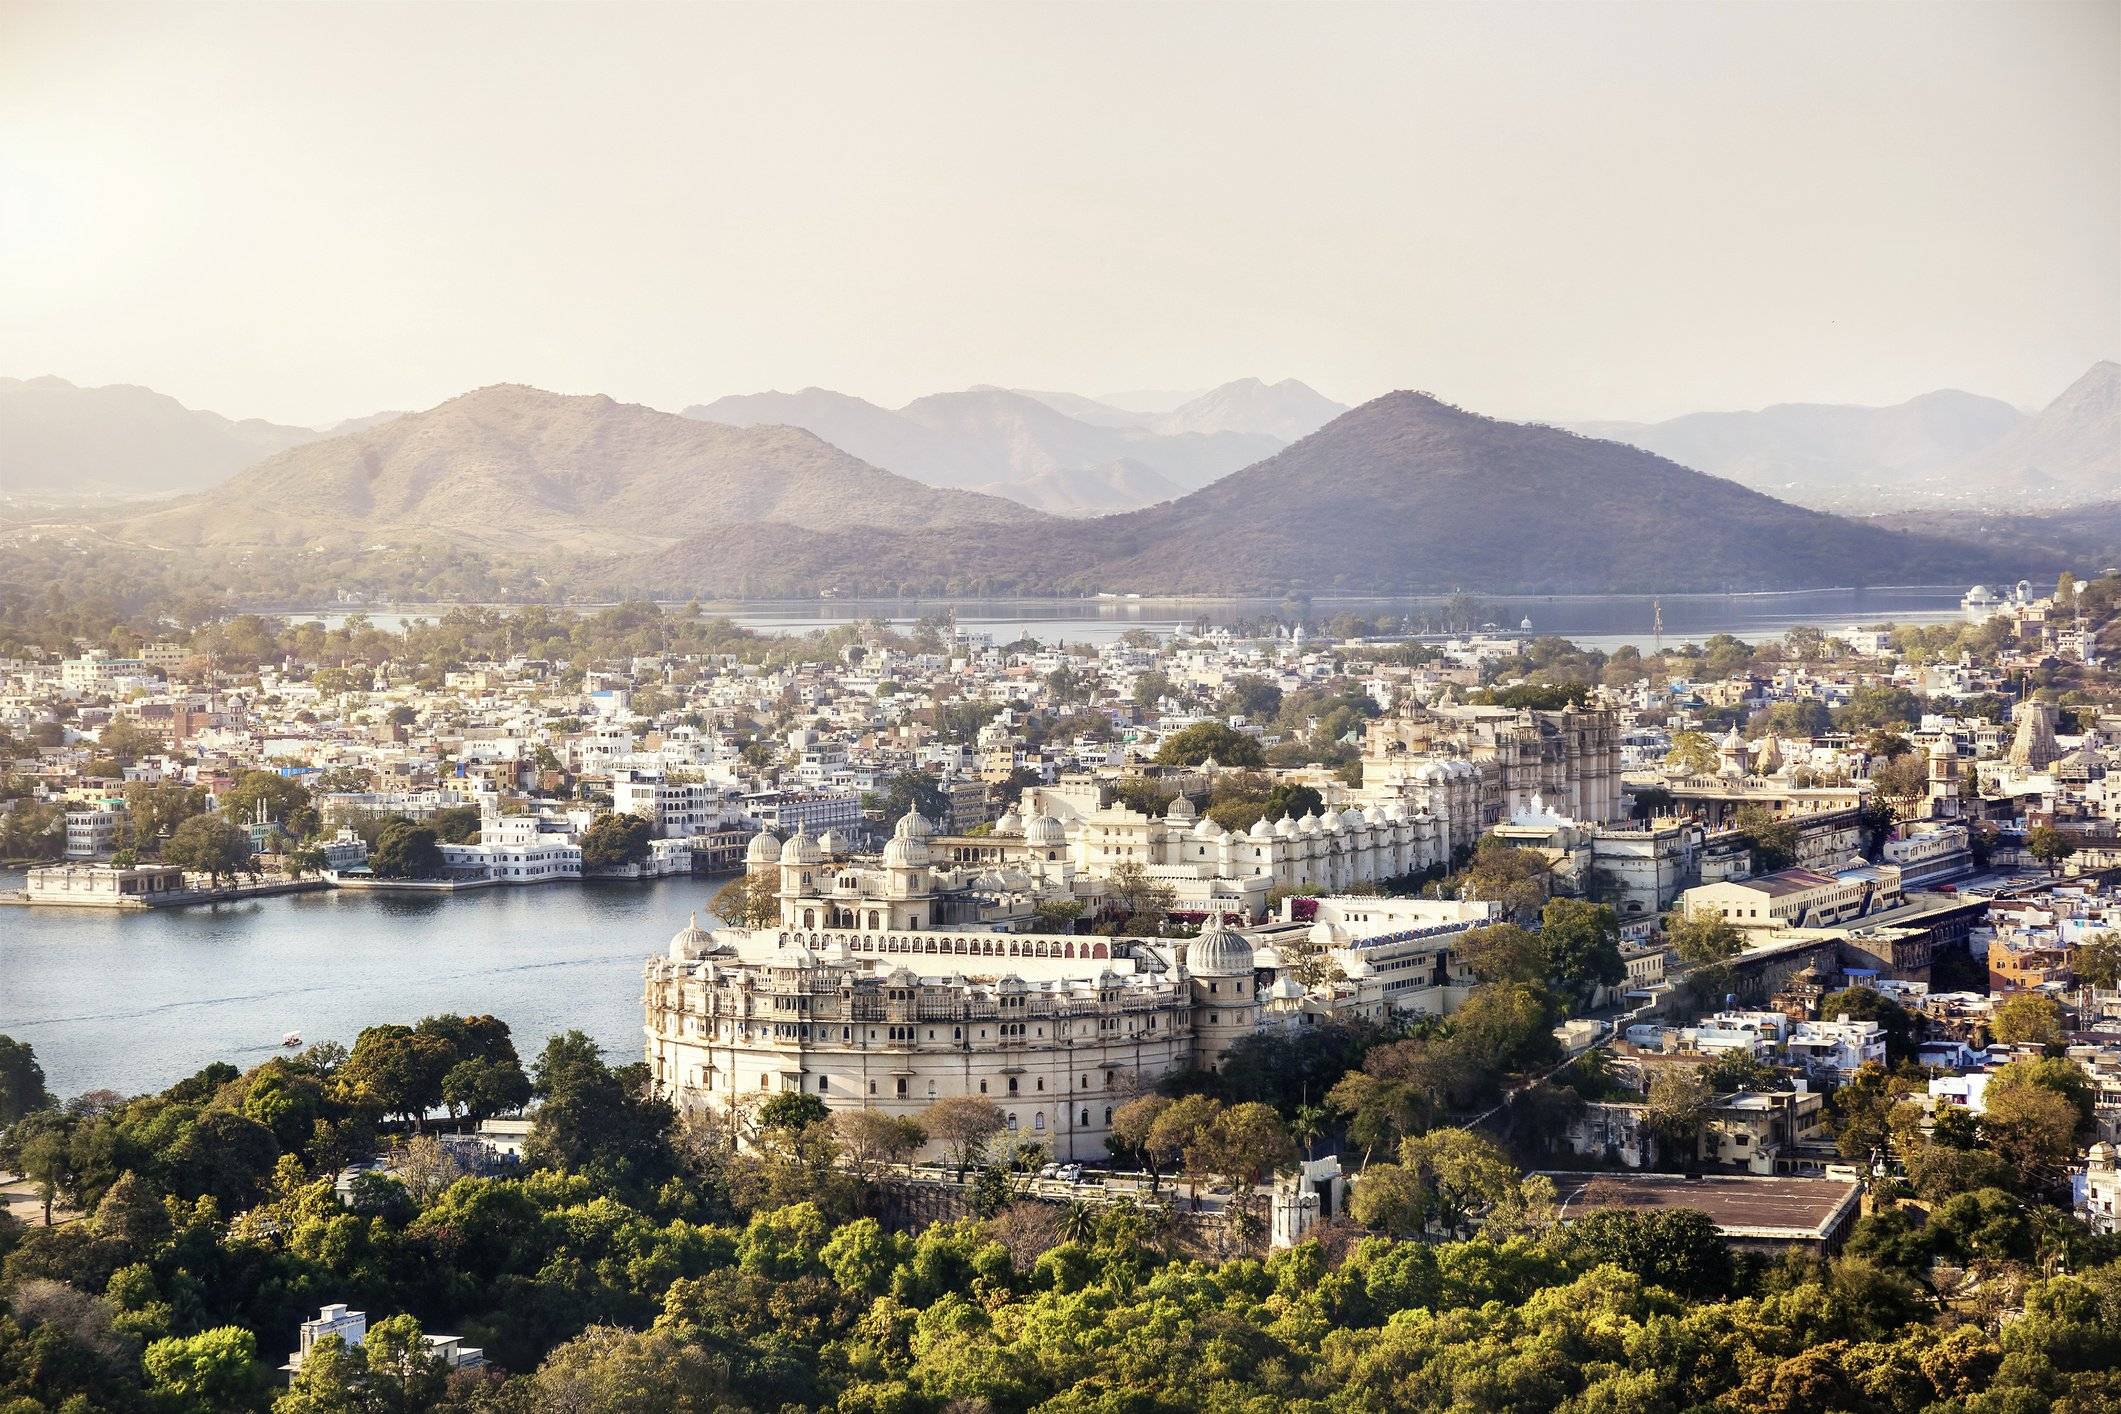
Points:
1286	410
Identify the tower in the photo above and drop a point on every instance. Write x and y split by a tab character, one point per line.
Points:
1943	779
1225	1009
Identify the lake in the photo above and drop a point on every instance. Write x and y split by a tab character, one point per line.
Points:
1594	620
136	1001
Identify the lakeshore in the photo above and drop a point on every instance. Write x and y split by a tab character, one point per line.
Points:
134	1001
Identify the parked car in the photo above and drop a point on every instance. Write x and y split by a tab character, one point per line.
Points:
1070	1173
1049	1171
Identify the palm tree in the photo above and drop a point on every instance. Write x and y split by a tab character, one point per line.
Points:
1078	1221
1308	1123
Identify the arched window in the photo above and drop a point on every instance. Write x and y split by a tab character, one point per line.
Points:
1098	950
810	918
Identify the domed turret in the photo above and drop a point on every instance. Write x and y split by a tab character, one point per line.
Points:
800	849
1179	809
1044	831
691	941
1219	952
765	848
903	853
914	826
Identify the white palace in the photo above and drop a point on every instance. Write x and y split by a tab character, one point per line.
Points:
886	985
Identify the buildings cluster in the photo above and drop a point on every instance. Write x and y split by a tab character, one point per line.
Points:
953	838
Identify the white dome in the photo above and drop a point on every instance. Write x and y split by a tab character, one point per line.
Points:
914	826
904	852
690	941
1179	809
765	848
1219	952
1044	830
1011	823
1206	829
1260	829
1285	828
800	849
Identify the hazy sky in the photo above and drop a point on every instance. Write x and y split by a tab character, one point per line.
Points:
306	212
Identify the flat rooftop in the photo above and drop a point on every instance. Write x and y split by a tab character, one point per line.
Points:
1741	1205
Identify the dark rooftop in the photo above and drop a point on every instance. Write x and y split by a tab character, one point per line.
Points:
1785	1209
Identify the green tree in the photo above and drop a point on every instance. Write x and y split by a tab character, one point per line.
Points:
22	1088
2027	1018
209	845
281	799
1204	741
1582	945
2050	846
1692	754
616	841
1774	840
213	1372
155	811
456	824
598	1121
2097	961
1390	1198
1705	943
749	901
1678	1105
406	850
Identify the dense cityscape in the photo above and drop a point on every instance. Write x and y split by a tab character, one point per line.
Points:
1772	984
1040	708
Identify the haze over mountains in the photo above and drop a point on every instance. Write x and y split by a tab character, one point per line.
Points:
60	439
1403	494
523	472
1946	448
1059	452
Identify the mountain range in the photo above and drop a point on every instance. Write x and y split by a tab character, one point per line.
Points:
517	471
1941	449
57	438
1403	494
1058	452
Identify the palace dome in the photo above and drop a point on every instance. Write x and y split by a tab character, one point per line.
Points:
690	941
765	848
800	849
1219	952
1044	830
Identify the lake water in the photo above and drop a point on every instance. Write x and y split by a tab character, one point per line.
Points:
137	1001
1594	620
